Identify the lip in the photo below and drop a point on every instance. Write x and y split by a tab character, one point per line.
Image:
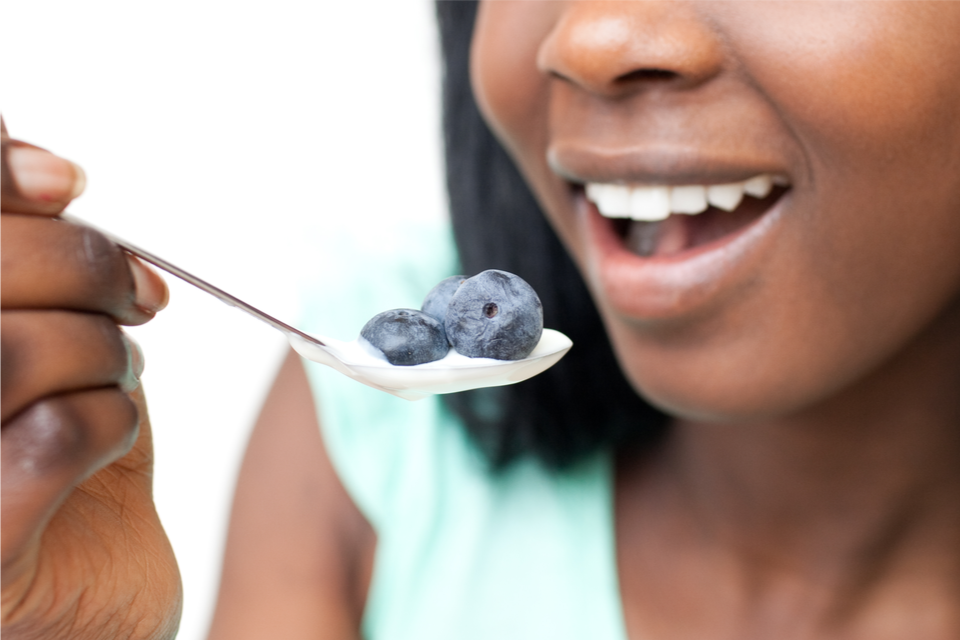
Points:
656	164
670	287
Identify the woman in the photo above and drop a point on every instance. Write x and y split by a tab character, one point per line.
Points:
796	470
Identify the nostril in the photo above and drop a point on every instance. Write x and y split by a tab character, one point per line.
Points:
647	75
636	77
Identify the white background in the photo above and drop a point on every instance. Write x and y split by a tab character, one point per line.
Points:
226	137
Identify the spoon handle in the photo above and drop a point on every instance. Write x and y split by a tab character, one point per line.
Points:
203	285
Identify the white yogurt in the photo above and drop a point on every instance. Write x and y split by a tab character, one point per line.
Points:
356	350
454	372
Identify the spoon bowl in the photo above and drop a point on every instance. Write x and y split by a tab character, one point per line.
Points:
448	375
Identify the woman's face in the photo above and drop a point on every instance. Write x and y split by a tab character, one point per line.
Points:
851	110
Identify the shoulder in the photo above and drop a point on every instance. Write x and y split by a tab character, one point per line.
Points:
299	553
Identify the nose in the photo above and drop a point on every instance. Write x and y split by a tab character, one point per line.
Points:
617	48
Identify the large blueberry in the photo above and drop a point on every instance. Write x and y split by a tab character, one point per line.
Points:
406	336
494	314
436	303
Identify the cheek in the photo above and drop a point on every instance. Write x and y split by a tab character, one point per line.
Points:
861	83
873	97
509	89
513	94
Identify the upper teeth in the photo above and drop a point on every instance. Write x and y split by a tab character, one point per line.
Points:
651	203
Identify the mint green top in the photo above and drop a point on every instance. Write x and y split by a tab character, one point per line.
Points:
461	553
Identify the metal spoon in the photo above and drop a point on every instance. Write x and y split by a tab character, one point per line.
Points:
449	375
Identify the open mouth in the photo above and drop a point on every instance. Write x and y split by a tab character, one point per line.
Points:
656	220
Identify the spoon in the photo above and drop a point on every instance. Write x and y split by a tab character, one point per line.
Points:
450	374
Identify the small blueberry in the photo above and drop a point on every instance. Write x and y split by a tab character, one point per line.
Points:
406	336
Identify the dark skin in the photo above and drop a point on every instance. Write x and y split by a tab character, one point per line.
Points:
299	553
808	485
79	524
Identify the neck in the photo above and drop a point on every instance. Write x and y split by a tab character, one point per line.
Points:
858	497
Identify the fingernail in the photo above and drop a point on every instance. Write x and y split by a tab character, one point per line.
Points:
152	294
135	363
44	177
79	182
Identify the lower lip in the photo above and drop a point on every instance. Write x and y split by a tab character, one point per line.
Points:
673	286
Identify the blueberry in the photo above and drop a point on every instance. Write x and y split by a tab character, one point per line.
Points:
494	315
406	336
436	303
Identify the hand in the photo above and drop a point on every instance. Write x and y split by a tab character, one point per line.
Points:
83	551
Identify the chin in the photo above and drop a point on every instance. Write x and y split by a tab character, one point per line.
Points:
692	379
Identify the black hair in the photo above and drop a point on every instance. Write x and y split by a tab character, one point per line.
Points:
584	402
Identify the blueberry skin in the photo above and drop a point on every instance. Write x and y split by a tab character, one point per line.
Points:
406	336
494	314
436	303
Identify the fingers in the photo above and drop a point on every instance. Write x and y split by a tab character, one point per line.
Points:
52	446
53	264
48	263
54	352
33	180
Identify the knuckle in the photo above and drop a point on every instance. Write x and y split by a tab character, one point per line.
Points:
79	431
47	352
100	345
111	336
96	250
104	349
48	263
118	353
117	435
111	282
47	436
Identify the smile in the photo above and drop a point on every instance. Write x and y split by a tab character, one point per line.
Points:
664	220
654	270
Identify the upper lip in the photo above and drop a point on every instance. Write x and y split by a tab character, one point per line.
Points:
660	164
